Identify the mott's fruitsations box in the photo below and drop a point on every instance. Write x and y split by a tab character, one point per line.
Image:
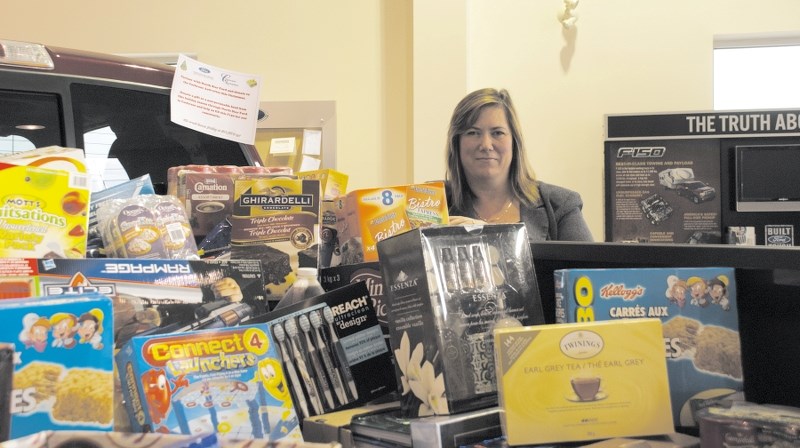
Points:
364	217
276	220
697	307
447	288
582	381
63	362
149	296
43	212
229	381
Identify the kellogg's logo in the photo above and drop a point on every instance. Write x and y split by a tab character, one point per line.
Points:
619	290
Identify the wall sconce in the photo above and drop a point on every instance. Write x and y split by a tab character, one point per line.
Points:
569	16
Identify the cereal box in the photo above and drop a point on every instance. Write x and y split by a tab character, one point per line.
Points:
582	381
697	307
63	369
43	212
364	217
277	221
229	381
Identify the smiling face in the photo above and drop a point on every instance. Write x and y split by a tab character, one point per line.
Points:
486	148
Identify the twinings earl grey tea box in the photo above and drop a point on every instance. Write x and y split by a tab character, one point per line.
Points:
582	381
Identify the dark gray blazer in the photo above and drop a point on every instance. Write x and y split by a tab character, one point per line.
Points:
557	216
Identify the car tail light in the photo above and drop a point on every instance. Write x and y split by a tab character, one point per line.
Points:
24	54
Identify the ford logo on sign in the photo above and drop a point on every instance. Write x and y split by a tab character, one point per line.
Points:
204	70
779	240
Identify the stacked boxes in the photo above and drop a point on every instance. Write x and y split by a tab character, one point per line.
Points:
700	321
63	371
364	217
228	380
448	287
586	381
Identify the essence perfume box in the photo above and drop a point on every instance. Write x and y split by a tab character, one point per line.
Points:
697	307
447	288
582	381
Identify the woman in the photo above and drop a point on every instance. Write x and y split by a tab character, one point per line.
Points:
490	181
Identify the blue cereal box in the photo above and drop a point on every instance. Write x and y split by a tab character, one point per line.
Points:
697	308
63	363
229	381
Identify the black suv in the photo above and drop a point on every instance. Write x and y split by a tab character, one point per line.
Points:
115	108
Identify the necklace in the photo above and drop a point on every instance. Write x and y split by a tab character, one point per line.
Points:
501	216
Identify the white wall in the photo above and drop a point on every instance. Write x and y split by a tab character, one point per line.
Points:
396	68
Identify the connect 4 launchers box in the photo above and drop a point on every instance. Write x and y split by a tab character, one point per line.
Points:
228	381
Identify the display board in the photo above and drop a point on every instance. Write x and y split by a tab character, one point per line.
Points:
672	178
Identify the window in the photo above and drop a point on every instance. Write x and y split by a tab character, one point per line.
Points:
756	72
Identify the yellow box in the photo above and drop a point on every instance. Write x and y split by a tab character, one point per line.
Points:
50	157
43	212
364	217
582	381
332	182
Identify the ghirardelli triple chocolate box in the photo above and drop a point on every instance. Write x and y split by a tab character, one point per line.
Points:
448	288
697	307
277	221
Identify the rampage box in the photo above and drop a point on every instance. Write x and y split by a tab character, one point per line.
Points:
448	287
700	322
63	363
582	381
333	350
149	296
229	381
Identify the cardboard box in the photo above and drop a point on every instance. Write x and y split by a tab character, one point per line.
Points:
44	212
227	380
63	371
697	307
364	217
582	381
152	296
447	288
49	157
333	350
277	221
332	182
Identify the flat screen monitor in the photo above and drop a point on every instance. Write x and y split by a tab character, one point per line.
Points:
767	178
768	299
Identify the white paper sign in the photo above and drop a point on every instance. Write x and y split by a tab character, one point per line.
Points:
284	145
312	141
309	164
215	101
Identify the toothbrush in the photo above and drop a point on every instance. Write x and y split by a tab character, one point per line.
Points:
333	373
280	335
302	320
302	367
341	356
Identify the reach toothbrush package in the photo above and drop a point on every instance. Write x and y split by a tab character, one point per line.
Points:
228	380
333	350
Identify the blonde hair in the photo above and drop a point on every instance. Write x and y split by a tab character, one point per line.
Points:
465	114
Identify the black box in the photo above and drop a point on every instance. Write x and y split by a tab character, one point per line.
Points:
448	288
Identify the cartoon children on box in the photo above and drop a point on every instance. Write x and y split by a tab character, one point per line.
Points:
64	327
